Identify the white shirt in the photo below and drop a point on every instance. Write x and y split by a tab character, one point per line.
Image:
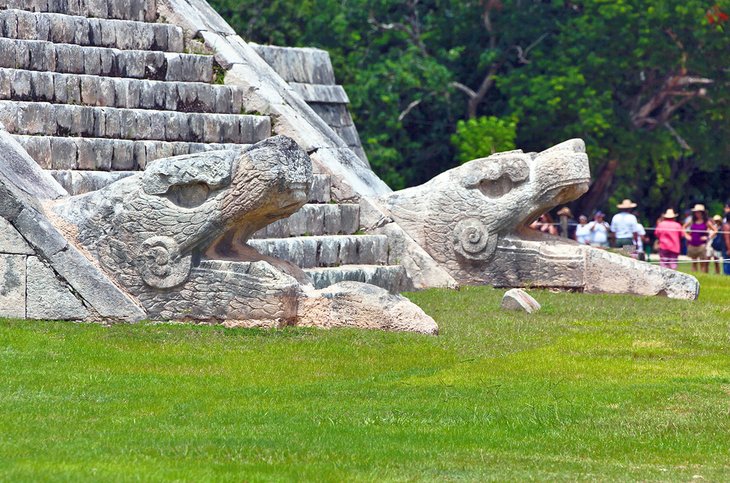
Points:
600	232
583	234
624	225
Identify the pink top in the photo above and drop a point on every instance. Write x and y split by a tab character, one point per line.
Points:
669	233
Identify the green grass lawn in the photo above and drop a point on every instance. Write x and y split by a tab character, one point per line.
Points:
591	387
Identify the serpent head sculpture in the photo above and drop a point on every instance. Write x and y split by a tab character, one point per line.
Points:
472	220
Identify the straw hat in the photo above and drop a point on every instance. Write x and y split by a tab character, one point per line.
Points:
565	211
669	214
626	204
717	218
699	207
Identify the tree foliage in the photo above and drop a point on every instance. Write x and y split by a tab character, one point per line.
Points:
643	82
481	136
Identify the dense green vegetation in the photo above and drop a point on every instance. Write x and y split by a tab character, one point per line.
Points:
644	82
591	387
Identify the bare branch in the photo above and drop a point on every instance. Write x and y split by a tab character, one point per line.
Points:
687	80
465	89
679	138
481	93
408	109
522	54
412	27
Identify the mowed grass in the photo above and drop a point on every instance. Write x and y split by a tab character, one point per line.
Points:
591	387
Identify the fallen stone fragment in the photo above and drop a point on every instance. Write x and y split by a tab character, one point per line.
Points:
363	306
518	299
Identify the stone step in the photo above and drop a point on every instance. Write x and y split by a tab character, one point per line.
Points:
32	118
393	278
326	251
315	220
97	91
140	10
80	181
71	29
76	59
97	154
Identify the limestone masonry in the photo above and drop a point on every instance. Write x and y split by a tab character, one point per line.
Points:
154	165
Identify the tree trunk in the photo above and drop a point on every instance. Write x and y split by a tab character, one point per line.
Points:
598	192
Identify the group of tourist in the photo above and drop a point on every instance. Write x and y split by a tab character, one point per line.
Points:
703	239
706	239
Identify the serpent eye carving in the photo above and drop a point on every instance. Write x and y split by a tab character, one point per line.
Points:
499	175
473	241
188	196
160	263
188	180
496	188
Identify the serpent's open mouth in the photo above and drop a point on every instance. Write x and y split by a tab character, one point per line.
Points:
554	195
565	191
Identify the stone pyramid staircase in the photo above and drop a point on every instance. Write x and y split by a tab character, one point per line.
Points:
94	90
323	238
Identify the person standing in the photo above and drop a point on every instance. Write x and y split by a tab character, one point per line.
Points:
697	232
641	240
583	231
716	245
624	224
669	234
725	233
599	230
567	223
544	224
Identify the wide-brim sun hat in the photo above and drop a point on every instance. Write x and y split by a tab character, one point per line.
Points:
626	204
669	214
699	207
717	218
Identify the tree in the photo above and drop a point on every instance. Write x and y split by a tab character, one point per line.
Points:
644	82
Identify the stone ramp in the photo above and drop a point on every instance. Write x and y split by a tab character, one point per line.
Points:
44	275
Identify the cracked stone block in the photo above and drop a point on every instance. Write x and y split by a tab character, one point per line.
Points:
48	297
11	242
12	286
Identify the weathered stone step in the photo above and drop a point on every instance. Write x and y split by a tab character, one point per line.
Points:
326	251
71	29
97	91
47	119
393	278
315	220
76	59
96	154
80	181
140	10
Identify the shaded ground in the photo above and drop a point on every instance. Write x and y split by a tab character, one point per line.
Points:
592	387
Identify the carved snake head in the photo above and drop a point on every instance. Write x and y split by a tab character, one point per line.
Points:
156	222
460	214
516	187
